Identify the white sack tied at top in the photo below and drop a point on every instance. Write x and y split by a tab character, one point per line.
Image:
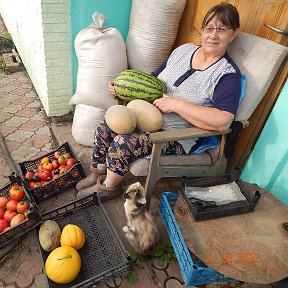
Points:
152	32
101	55
85	120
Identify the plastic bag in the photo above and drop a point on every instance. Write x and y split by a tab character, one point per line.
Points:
221	194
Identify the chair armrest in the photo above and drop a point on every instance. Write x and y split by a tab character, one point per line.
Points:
186	133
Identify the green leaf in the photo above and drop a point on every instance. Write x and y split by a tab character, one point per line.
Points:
132	277
165	252
169	244
139	263
158	253
132	254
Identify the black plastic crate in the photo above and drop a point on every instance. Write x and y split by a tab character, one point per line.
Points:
34	217
200	211
63	182
103	255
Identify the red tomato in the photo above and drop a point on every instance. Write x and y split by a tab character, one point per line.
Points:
3	201
55	164
70	162
12	205
8	215
31	184
63	169
29	175
36	184
43	175
1	212
17	219
3	225
22	206
57	154
40	167
16	192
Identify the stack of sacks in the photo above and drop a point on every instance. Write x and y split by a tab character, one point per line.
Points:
152	32
101	55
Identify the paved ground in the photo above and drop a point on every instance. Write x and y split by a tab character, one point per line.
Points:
27	133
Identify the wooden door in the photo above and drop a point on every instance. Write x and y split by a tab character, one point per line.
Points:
253	15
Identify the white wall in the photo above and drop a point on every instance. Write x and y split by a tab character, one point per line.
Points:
41	33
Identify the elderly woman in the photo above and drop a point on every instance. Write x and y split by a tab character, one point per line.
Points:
203	90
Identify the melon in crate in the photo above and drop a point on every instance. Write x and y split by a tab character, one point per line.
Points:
134	84
63	265
49	235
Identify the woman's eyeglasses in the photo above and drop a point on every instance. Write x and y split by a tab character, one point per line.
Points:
220	30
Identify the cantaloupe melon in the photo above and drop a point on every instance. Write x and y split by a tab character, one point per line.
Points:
149	118
49	235
120	119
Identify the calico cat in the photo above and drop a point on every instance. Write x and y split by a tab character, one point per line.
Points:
141	230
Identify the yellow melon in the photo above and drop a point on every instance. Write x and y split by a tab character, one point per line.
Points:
120	119
63	265
149	118
72	236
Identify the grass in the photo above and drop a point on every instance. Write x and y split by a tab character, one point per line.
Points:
3	68
6	35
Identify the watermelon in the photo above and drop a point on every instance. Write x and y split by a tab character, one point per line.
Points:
133	84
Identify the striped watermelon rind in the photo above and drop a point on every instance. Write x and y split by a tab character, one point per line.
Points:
133	84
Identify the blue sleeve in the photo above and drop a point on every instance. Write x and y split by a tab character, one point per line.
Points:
160	68
227	93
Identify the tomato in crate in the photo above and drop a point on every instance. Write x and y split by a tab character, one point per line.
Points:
18	212
52	173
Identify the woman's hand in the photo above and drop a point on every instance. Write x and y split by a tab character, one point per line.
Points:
166	104
111	88
200	116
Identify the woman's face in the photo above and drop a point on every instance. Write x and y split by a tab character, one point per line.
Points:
216	41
